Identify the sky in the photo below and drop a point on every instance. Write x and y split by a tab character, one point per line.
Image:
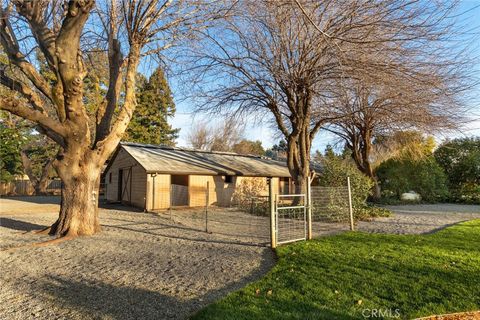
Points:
184	118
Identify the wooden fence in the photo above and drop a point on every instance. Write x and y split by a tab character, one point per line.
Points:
25	188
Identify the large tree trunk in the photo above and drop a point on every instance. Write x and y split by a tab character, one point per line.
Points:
361	157
79	201
298	159
298	169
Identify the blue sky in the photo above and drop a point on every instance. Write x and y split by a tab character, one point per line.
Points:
184	118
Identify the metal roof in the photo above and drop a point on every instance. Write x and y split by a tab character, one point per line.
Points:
171	160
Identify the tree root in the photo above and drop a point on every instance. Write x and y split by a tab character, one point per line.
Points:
45	231
40	244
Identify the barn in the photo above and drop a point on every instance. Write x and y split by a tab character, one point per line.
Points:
154	177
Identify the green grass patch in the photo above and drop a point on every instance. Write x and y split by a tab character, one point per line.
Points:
339	277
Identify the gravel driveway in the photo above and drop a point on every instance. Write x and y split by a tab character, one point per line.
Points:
144	266
140	267
421	218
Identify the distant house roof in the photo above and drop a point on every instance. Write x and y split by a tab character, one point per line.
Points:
171	160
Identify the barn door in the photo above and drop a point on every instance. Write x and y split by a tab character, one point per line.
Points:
126	185
120	185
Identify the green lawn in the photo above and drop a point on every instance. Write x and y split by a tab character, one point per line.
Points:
338	277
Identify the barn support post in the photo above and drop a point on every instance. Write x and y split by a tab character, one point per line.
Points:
145	209
352	227
153	190
206	206
170	198
273	240
309	209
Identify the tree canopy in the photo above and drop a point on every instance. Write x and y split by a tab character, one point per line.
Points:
73	69
249	147
155	105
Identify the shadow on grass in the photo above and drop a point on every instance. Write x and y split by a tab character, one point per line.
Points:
20	225
324	279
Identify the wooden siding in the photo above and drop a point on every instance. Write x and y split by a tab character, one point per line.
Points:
158	191
220	193
136	182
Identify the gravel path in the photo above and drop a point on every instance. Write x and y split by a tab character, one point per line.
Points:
146	266
141	266
422	218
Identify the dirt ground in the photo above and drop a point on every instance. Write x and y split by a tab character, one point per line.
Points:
142	266
153	266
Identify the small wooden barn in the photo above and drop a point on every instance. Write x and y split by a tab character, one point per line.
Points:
156	177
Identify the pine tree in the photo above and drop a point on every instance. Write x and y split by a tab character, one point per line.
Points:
154	106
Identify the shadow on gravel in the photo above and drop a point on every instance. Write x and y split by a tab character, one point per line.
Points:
98	300
193	238
19	225
36	199
118	206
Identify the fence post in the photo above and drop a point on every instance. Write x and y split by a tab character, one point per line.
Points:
309	208
273	240
171	195
206	207
350	204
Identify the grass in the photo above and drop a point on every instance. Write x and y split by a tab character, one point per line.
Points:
339	277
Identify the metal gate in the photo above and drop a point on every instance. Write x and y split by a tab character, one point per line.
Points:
290	217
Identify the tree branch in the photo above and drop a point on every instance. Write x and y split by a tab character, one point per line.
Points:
11	48
22	88
34	13
12	105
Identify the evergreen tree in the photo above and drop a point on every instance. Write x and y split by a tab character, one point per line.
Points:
10	161
154	105
249	147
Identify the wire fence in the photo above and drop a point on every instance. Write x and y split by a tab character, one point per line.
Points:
247	218
330	204
330	209
290	218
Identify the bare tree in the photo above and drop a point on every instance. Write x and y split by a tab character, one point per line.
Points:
199	137
127	31
428	96
225	136
285	59
216	138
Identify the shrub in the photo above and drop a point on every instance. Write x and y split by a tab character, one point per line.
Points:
423	176
250	195
466	193
367	212
335	173
460	158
